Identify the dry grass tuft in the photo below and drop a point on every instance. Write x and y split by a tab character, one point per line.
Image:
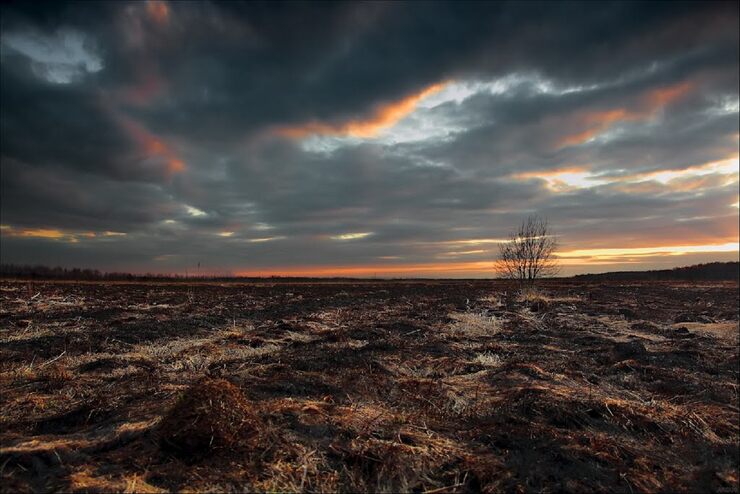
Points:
488	359
539	301
471	324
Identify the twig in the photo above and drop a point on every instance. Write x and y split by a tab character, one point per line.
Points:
52	360
440	489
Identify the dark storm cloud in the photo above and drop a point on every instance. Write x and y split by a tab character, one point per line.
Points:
64	125
232	67
160	120
42	197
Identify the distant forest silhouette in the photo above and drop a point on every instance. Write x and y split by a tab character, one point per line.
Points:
713	271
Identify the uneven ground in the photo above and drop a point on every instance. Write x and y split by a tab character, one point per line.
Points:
403	386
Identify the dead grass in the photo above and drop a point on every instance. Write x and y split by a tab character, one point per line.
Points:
418	387
488	359
473	325
531	295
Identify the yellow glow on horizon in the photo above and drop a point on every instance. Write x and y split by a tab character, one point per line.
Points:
371	270
469	268
225	234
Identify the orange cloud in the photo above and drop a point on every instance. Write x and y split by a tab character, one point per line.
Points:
150	144
36	233
383	117
158	11
52	233
693	178
596	122
658	98
148	86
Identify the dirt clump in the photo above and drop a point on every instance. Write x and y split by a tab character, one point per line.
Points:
645	326
211	415
629	349
538	304
689	317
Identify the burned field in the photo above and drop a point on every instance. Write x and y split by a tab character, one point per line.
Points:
374	386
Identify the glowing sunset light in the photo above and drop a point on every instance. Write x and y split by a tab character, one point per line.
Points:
372	270
463	253
724	167
569	179
647	106
55	234
38	233
648	251
264	239
566	179
195	212
383	117
150	144
472	241
158	10
472	269
351	236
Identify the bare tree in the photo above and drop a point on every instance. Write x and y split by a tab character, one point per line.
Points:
529	253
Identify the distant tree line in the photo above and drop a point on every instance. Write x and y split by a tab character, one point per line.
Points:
41	272
712	271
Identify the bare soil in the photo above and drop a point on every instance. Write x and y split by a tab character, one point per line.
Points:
425	386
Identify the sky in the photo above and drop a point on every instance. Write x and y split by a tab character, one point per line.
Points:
366	138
